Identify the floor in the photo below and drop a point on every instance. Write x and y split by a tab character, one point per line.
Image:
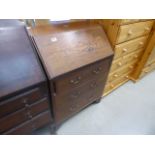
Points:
128	110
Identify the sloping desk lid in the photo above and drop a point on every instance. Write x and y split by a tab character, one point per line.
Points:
64	49
19	67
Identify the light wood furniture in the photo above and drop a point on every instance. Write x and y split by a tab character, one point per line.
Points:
147	62
128	38
77	58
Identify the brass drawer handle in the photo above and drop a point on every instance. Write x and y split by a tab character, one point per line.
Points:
76	95
76	81
25	100
27	106
97	71
130	32
93	85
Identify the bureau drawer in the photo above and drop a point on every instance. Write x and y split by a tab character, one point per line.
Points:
80	77
129	58
131	31
31	125
15	103
130	46
66	105
22	115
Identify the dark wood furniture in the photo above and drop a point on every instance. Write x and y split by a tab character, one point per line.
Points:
24	96
77	58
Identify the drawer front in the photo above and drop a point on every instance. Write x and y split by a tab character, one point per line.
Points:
131	31
20	101
130	46
116	83
129	58
125	69
22	115
148	69
80	77
65	106
127	21
29	126
151	58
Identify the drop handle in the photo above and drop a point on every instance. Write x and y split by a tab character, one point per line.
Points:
93	85
76	95
97	71
76	81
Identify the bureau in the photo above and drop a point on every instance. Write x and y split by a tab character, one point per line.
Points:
77	58
128	38
24	95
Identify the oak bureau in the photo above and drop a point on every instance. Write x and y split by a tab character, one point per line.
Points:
24	96
77	58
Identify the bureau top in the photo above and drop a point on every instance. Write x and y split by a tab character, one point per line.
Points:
69	47
19	67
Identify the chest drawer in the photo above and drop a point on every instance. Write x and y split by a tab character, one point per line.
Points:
30	125
129	58
125	69
22	115
131	31
127	21
78	78
18	102
117	82
129	46
66	105
151	58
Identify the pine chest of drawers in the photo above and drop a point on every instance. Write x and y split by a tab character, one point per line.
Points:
24	96
77	62
129	38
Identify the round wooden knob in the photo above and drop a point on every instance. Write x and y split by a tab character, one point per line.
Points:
127	76
130	32
135	56
141	43
119	64
147	28
115	75
125	50
112	86
131	67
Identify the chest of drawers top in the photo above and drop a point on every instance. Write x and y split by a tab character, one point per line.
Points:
19	66
69	47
